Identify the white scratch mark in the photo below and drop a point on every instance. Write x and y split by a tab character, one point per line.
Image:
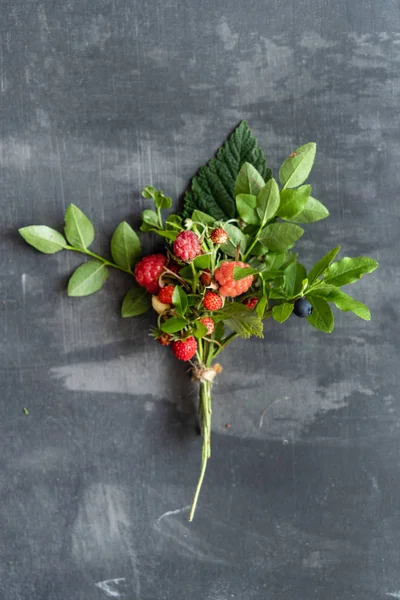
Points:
106	586
23	283
394	594
172	512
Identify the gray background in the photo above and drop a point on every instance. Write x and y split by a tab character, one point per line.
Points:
98	99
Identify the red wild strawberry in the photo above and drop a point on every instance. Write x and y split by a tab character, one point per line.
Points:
250	303
206	277
219	236
230	287
212	301
209	323
148	271
187	246
165	294
164	339
184	349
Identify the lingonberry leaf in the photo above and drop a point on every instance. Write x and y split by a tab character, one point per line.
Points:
88	278
136	302
179	300
248	181
125	246
293	201
281	312
246	205
213	188
296	168
313	211
174	324
321	266
43	238
347	270
78	229
322	315
279	236
342	301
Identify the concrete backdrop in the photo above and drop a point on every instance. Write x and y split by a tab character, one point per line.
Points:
98	99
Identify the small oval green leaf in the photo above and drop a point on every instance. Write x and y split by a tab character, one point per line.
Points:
268	201
78	229
173	325
313	211
280	236
43	238
246	205
249	180
136	302
296	168
282	312
87	279
125	246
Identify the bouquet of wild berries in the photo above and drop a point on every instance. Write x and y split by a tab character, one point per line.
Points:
228	264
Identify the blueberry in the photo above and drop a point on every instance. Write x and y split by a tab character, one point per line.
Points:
302	308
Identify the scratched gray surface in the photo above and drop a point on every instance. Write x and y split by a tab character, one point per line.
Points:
301	500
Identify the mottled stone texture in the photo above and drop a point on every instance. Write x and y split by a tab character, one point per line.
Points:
98	99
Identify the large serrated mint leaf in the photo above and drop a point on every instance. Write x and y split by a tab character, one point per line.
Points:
213	188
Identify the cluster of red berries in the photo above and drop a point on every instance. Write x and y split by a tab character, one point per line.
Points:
187	246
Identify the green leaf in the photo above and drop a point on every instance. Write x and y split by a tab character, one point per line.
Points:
261	306
279	236
240	319
219	331
293	201
165	233
125	246
236	237
202	262
242	272
342	301
276	260
297	166
322	315
174	222
43	238
268	201
173	325
200	330
249	181
186	273
293	278
282	312
212	189
318	269
87	279
78	229
149	191
136	302
246	205
162	201
179	300
150	217
347	270
313	211
193	299
200	217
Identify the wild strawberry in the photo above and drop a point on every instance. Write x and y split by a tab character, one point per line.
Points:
187	246
219	236
148	271
165	294
206	277
230	287
164	339
212	301
250	303
209	323
184	349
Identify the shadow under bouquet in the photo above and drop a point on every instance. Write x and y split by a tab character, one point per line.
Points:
228	263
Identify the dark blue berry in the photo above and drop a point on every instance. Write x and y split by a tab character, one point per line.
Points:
302	308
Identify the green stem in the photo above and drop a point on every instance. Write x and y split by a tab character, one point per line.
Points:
194	278
205	412
160	218
100	258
